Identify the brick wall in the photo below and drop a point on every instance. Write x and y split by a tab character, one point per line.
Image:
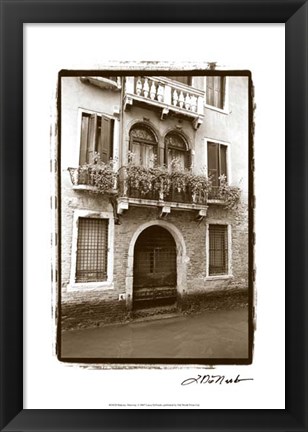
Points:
95	307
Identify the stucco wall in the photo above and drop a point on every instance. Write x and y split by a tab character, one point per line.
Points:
231	126
77	96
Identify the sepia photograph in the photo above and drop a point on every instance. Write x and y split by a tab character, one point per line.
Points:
154	185
151	231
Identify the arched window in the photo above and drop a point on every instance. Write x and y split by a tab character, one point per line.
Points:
143	145
176	149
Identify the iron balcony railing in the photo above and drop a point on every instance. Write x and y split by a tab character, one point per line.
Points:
174	195
155	193
121	185
88	178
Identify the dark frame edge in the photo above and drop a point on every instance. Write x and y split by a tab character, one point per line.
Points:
13	417
297	215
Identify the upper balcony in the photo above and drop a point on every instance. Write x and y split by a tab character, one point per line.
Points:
166	96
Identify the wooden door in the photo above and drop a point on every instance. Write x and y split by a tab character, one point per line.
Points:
154	268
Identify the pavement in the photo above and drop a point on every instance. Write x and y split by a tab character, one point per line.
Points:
210	334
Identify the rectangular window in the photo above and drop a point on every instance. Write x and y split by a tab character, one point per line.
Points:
218	250
92	250
215	91
96	136
217	161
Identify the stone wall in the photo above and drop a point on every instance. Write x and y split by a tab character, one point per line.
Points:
92	310
94	307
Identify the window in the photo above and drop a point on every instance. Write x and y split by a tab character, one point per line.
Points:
215	91
218	250
145	152
176	149
96	136
143	146
182	79
92	250
216	161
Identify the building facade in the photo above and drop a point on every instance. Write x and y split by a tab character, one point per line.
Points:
154	193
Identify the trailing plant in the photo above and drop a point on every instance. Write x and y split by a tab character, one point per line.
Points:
180	180
229	194
179	176
99	174
138	177
161	179
200	186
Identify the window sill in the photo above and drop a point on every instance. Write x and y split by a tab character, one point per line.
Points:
218	277
90	286
213	108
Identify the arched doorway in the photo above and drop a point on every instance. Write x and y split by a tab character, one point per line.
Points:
155	270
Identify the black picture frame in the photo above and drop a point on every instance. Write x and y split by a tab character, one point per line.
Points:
13	14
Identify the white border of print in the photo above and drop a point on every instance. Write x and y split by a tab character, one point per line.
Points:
47	49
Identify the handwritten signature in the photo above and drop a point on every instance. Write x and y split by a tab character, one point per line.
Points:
214	379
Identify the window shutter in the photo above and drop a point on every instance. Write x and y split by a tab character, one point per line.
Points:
91	137
222	92
223	160
212	161
210	90
105	143
217	92
84	139
182	79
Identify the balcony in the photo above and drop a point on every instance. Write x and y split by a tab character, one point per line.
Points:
166	96
102	179
154	187
159	188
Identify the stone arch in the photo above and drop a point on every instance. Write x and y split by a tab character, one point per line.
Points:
180	133
128	127
181	258
177	146
146	125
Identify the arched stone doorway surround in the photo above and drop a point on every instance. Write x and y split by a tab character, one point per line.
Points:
181	259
